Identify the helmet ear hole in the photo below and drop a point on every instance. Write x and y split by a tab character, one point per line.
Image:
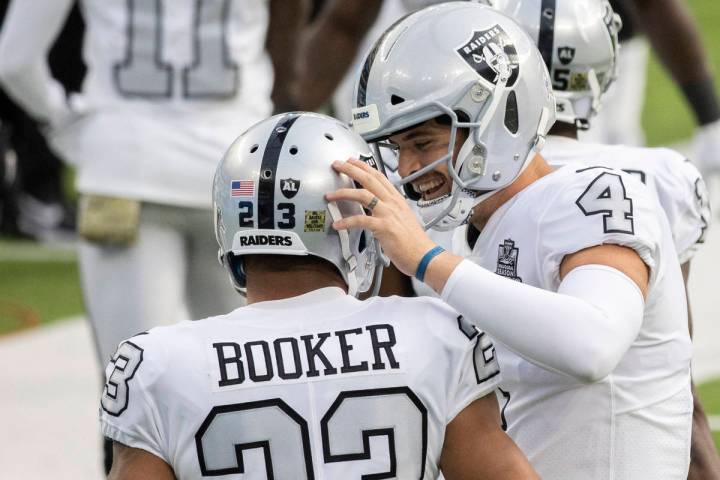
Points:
254	148
396	100
511	113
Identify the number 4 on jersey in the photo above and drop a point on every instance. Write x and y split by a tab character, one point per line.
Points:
606	195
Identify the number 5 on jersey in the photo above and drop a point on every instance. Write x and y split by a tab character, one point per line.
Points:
606	196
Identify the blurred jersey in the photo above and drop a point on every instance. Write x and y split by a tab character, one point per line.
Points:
317	386
673	180
169	86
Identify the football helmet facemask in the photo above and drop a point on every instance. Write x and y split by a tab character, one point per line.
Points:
269	197
475	65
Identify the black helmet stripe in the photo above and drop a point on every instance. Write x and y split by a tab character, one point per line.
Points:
546	36
365	74
268	171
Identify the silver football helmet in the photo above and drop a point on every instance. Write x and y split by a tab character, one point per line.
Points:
475	65
578	40
269	197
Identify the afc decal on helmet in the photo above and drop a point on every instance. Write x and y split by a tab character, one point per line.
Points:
289	187
492	55
566	55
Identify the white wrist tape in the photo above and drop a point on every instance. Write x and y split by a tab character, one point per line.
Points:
583	330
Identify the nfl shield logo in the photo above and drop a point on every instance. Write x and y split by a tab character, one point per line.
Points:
289	187
566	54
491	54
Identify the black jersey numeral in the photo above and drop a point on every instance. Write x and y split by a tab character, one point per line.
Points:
282	434
606	196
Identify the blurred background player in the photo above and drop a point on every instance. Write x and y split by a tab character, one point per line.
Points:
593	289
579	47
683	55
169	85
306	381
33	201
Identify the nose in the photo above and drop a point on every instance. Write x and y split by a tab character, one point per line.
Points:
408	163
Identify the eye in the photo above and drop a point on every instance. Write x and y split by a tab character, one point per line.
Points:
422	144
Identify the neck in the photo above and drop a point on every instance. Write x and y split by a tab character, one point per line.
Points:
264	285
562	129
482	212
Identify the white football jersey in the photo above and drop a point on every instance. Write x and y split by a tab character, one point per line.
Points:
636	422
317	386
170	84
673	179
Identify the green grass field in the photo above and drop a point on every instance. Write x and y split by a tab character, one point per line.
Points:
37	285
710	396
666	117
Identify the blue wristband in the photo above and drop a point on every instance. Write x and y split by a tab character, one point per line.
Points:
422	266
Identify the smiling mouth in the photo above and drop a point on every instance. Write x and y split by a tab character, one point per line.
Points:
429	186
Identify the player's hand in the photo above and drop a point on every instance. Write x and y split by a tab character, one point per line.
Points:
392	221
63	131
707	149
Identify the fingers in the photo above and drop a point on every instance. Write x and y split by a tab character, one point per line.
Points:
363	177
384	181
357	221
363	197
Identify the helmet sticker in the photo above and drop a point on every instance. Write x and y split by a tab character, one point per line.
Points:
315	221
289	187
492	55
365	119
242	188
566	55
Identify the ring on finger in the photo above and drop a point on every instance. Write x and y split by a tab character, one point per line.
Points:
373	203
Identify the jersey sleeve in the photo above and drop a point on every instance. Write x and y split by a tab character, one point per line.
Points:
595	206
684	198
473	367
128	414
29	29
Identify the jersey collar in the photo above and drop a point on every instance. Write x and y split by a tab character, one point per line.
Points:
321	295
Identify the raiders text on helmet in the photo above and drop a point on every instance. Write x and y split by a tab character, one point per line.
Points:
269	197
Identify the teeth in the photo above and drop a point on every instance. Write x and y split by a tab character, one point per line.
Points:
422	187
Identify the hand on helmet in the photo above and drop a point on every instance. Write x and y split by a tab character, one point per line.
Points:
391	221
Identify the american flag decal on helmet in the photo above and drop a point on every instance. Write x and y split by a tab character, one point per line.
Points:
242	188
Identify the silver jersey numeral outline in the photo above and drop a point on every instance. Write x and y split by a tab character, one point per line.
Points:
606	196
143	73
116	393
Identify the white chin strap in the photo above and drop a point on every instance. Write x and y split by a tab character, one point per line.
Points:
350	259
596	92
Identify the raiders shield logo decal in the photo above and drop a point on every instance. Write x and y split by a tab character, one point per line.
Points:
566	54
289	187
491	54
507	260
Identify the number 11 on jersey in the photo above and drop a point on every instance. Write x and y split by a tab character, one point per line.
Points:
144	73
